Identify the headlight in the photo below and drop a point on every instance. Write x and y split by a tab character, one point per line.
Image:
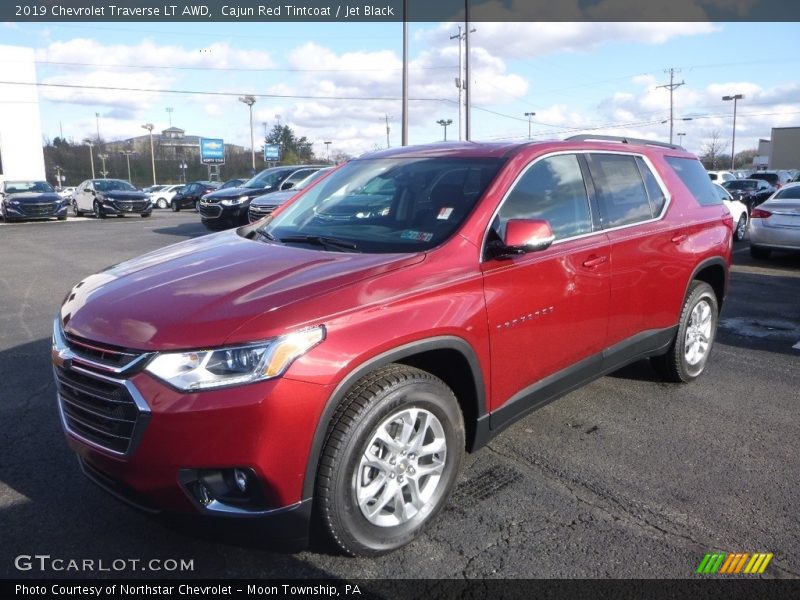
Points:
236	365
234	201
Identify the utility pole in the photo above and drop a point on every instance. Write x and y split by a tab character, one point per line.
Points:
460	83
58	176
733	140
529	115
671	86
467	80
404	126
169	115
388	144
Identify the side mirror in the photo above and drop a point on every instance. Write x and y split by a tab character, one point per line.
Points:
527	235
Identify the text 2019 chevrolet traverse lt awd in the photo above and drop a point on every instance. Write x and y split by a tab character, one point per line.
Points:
339	357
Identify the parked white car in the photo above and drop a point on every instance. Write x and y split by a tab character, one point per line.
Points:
738	211
161	198
720	176
67	192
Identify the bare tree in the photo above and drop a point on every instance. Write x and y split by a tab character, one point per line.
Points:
712	151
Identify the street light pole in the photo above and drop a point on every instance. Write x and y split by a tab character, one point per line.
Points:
444	123
735	98
327	151
529	115
127	154
149	127
404	118
250	100
467	80
680	139
91	153
103	158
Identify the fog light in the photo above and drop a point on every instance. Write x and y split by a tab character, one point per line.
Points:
204	495
240	477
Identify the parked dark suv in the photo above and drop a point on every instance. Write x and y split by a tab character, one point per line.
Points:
342	366
229	207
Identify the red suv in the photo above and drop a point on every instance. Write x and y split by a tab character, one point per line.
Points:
339	357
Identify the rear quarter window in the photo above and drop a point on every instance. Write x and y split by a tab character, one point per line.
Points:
695	177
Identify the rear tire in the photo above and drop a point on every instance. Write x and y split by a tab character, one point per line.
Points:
760	253
161	203
75	210
688	353
741	228
392	456
175	206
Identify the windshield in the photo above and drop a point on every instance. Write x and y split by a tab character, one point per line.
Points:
390	204
113	185
267	179
18	187
788	193
740	185
304	183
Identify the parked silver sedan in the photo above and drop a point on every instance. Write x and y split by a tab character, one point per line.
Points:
775	224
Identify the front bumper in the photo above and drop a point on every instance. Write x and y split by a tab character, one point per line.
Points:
116	208
266	428
217	216
21	212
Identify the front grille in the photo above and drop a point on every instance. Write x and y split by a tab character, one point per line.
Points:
257	212
210	211
100	411
130	206
39	209
110	356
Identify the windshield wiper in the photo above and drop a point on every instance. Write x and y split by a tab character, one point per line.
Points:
317	240
263	232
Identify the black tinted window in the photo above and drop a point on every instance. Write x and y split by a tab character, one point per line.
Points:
694	177
552	189
621	193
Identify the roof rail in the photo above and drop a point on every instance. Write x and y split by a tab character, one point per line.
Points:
584	137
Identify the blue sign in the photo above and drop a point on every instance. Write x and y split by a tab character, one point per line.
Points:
212	151
272	153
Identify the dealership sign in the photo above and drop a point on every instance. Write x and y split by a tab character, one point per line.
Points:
272	153
212	151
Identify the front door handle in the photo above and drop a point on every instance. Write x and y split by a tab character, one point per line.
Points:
594	261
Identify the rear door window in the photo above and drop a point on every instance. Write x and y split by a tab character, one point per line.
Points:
621	193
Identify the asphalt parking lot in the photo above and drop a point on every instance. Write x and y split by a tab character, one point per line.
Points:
627	477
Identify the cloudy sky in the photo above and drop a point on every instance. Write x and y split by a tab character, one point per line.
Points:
598	77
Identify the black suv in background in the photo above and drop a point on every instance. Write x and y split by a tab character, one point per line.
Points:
228	208
751	192
30	200
189	196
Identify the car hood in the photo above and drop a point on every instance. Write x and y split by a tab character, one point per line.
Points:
196	293
34	197
124	195
234	193
275	198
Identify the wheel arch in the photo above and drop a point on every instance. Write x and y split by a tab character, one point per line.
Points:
445	357
714	272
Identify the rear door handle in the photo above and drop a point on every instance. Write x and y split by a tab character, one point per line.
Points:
679	238
594	261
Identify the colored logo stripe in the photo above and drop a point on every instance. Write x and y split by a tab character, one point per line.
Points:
731	564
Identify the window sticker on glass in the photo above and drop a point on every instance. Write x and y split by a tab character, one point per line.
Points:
445	213
417	236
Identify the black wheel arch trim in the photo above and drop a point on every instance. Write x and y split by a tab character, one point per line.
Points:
710	262
394	355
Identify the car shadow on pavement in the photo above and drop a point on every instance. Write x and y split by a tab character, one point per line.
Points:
186	230
47	506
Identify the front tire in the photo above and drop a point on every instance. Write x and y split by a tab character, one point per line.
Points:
687	355
392	457
175	206
98	210
161	203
